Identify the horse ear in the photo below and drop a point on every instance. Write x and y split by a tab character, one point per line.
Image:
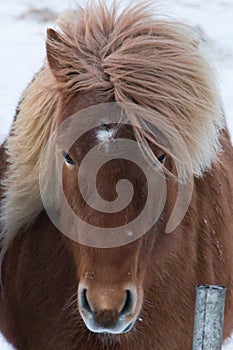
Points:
54	43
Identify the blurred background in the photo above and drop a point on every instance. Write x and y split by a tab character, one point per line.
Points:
23	26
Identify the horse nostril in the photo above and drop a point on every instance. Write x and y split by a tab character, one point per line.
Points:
105	307
84	302
128	305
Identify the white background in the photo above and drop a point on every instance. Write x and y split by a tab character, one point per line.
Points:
22	49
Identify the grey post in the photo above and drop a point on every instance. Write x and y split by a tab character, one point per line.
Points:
209	317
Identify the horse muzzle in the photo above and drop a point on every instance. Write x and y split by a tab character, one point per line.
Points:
108	310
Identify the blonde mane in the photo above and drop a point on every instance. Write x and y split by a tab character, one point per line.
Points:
29	135
133	56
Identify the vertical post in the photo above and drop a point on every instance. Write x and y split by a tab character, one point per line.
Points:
209	317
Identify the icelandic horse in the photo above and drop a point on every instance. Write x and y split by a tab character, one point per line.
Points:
57	293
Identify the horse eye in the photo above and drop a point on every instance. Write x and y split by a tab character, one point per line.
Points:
68	159
162	158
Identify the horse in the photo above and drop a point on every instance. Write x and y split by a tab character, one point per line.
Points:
58	291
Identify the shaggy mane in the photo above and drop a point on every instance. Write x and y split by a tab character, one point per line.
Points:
29	135
134	56
137	57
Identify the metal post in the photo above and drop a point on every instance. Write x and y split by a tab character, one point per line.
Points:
209	317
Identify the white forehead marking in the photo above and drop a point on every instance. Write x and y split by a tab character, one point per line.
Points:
105	136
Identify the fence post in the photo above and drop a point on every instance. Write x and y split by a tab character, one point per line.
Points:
209	317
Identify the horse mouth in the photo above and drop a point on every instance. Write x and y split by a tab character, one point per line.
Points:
128	328
111	332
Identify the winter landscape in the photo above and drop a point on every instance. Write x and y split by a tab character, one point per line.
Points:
23	26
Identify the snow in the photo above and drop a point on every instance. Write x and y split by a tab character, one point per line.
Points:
23	49
4	345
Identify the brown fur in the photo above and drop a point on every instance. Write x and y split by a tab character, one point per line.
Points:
99	58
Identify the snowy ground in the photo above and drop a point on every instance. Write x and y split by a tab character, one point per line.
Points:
22	36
